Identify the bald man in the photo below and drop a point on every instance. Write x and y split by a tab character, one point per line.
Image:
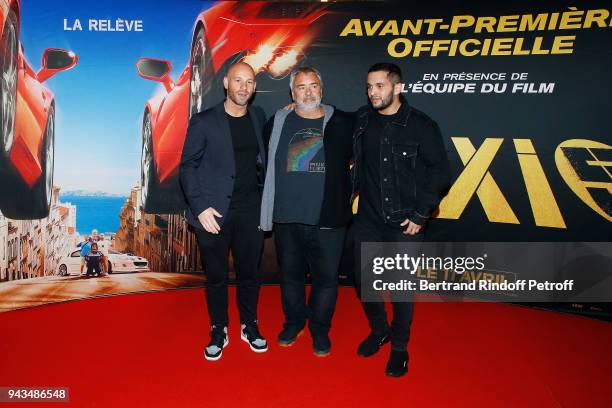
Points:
221	172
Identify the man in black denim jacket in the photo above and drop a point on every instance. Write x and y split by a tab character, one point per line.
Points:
401	173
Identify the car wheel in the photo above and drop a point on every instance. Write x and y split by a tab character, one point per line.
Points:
33	203
8	85
156	198
200	72
8	100
148	178
63	271
110	267
48	164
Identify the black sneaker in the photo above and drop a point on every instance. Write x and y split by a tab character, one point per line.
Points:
218	341
372	344
397	364
289	334
321	345
250	334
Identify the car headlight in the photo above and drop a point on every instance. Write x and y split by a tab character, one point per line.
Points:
278	61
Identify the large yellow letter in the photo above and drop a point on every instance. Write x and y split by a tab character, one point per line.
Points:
541	198
585	167
475	178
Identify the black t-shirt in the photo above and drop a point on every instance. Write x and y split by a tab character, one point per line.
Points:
370	200
300	171
246	192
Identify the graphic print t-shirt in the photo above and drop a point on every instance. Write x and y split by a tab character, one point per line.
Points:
300	171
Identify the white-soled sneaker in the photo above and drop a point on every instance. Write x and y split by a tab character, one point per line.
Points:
218	341
250	333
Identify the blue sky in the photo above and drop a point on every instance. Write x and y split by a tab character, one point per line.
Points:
100	101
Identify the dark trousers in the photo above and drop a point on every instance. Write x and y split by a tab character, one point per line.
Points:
301	248
375	311
93	268
241	233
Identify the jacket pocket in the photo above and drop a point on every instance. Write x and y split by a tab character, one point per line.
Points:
405	151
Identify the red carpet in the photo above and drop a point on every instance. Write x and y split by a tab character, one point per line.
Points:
145	350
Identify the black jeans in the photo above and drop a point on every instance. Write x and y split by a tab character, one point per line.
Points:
92	268
302	248
241	233
375	311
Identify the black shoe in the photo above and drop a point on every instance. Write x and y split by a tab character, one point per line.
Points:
321	345
397	364
250	333
372	344
289	334
218	341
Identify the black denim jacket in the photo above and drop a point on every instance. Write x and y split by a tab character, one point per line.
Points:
414	167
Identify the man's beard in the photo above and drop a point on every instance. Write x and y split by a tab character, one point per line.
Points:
309	106
234	97
385	102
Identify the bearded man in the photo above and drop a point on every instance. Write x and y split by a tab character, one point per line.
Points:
222	169
306	199
401	172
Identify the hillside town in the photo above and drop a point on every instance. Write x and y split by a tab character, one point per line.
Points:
34	248
164	240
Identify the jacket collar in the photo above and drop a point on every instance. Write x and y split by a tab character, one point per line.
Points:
402	115
220	108
255	120
328	111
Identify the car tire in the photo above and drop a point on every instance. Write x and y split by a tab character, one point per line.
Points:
110	267
9	52
33	203
200	72
63	270
156	198
149	191
8	88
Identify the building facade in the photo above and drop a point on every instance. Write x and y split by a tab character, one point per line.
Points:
166	241
33	248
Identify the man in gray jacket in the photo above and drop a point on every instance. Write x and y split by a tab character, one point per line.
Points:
307	198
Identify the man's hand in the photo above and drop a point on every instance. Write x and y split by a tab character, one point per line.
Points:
412	227
208	221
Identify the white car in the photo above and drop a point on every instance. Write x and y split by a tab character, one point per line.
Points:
118	262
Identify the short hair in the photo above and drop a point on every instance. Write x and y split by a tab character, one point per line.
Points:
394	73
304	70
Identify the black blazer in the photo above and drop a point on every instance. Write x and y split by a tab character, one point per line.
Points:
207	168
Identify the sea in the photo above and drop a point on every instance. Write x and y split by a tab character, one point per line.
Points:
96	212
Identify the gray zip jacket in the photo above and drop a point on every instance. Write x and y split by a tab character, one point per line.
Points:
267	199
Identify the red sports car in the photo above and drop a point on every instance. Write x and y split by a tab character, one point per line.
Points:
27	122
270	37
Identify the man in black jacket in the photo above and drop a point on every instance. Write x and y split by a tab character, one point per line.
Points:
307	198
401	172
222	169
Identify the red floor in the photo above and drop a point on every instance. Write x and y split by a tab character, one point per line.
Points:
146	350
